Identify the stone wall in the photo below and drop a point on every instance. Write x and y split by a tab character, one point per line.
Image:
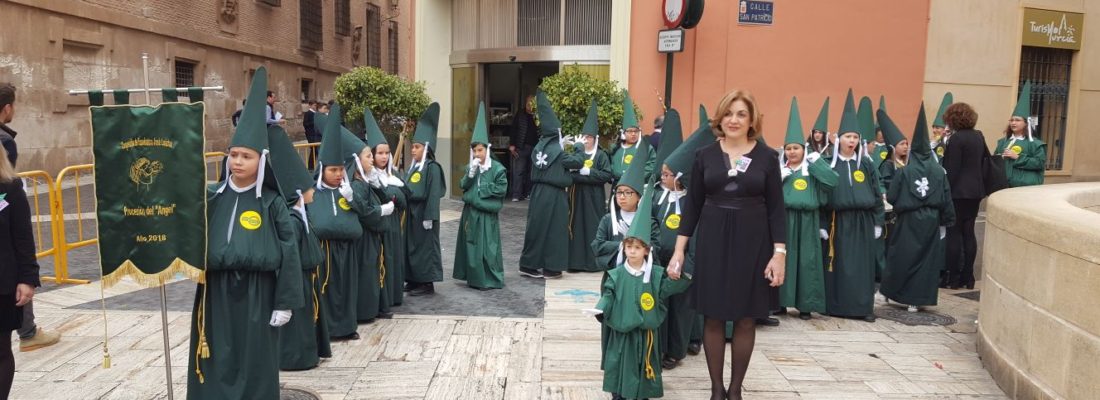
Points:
1039	328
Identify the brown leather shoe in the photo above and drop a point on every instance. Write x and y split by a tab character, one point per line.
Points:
42	338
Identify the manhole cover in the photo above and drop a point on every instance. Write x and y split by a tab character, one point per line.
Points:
294	393
975	295
903	316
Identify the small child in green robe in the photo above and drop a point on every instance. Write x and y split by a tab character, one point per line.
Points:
633	305
479	259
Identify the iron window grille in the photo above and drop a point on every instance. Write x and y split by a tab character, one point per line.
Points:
1048	70
185	73
310	25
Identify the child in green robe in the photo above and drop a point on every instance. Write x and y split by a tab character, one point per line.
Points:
626	150
479	259
1025	156
632	307
587	196
393	190
807	183
426	186
252	280
373	298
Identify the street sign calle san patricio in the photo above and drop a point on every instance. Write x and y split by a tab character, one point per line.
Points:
755	12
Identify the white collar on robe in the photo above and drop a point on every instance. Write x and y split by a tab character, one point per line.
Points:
843	158
1019	137
632	271
628	216
240	189
326	186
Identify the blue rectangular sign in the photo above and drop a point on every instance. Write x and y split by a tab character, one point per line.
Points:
754	12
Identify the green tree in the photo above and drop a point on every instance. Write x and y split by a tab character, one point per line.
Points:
395	102
570	92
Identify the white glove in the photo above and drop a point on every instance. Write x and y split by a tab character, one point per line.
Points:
280	317
878	232
427	225
387	209
345	190
568	140
395	181
813	157
586	171
784	173
824	234
943	232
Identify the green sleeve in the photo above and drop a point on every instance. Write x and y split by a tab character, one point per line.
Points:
607	297
1034	158
605	245
880	209
670	287
491	189
436	191
826	178
894	191
1001	143
364	204
573	159
467	182
373	220
288	279
649	161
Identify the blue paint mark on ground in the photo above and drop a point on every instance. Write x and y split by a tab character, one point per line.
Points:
579	296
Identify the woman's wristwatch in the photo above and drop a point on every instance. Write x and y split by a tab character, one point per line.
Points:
781	250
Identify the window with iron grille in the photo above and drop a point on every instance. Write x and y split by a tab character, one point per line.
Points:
1048	70
391	39
309	23
343	17
307	85
374	36
185	73
538	22
587	22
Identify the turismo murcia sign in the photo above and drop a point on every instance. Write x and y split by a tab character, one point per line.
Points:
1057	29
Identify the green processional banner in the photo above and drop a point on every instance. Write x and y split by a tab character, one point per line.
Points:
150	186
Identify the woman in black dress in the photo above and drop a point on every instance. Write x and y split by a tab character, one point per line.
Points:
737	212
19	275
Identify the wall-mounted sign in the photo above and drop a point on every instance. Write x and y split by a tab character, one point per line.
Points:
670	41
1057	29
755	12
673	11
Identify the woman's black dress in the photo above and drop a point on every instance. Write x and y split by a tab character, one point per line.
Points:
17	257
737	220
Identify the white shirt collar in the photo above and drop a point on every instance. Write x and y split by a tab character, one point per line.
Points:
631	270
843	158
1019	137
240	189
628	216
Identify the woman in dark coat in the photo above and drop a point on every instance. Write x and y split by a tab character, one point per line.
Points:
19	276
735	206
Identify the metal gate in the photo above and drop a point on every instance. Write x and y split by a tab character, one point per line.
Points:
1049	72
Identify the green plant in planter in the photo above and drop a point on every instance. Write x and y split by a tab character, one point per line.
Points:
395	102
570	92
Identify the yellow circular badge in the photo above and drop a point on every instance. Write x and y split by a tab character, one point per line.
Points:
1017	149
647	301
415	178
858	175
939	151
251	220
800	184
343	203
882	155
673	221
588	163
628	158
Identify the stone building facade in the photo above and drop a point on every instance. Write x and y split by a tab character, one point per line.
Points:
51	46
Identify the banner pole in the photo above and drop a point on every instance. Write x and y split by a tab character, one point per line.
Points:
163	289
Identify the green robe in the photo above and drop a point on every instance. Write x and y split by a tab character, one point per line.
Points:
394	239
1028	169
633	347
425	261
606	243
939	149
622	156
917	253
804	195
587	204
373	298
304	340
546	241
336	223
854	209
675	332
479	259
252	268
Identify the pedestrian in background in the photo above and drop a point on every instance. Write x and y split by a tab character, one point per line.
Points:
522	141
965	150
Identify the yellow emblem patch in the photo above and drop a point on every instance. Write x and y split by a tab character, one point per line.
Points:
801	184
588	163
673	221
939	151
859	176
647	301
415	178
251	220
343	203
628	158
1017	149
882	155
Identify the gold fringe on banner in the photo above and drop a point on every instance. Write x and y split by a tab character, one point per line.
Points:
161	278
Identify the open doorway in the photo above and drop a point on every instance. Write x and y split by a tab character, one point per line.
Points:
506	87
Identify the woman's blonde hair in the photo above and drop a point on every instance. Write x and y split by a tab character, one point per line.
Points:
7	172
755	123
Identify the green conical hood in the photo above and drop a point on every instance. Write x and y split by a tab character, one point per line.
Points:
289	170
252	127
592	122
681	160
634	177
481	134
794	125
848	121
890	130
920	143
640	229
1023	105
704	119
630	119
882	103
374	132
549	124
428	127
866	117
948	98
349	142
672	134
822	122
332	139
